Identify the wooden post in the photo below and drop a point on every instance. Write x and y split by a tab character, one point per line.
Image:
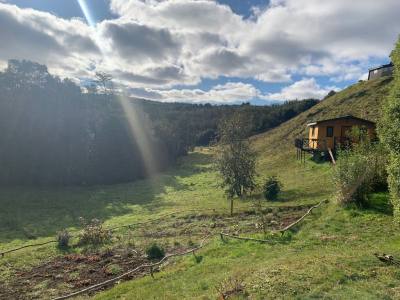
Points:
331	155
151	272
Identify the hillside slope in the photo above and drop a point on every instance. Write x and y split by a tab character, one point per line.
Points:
363	100
328	256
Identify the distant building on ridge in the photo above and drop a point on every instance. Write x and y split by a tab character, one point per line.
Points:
378	72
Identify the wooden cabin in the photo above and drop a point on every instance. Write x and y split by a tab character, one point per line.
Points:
329	134
378	72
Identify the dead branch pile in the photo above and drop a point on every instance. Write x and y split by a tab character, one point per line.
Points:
386	258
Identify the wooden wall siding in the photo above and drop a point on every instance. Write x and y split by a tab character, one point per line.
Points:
313	136
320	131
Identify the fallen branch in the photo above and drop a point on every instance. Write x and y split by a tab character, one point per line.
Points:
389	259
26	246
150	266
299	220
242	238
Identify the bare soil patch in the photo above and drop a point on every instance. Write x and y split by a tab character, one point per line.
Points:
71	272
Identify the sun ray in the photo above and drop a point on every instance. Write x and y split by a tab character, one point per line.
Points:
86	12
139	134
132	115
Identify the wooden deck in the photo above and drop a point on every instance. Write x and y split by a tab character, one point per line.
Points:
310	145
320	145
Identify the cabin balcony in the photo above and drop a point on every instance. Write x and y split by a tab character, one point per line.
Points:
314	145
310	145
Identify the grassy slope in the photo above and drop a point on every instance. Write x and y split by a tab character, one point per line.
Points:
330	255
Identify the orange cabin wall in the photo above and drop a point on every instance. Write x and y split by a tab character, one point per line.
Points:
320	132
313	135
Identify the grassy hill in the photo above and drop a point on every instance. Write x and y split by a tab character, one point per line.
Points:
327	256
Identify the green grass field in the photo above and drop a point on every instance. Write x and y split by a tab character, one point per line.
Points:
329	255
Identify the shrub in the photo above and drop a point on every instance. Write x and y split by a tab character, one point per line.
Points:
113	269
93	233
63	238
155	252
359	171
231	287
272	188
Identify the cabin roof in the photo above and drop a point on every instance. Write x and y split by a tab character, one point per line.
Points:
381	67
347	117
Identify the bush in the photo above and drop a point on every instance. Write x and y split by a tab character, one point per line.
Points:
155	252
93	233
272	188
113	269
359	171
63	238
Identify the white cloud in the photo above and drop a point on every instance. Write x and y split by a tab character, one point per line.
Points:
154	45
307	88
231	92
44	38
237	92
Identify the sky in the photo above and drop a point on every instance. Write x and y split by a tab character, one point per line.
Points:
205	51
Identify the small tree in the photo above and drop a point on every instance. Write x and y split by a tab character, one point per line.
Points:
236	161
389	130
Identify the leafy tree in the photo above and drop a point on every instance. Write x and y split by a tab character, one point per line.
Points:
389	130
236	161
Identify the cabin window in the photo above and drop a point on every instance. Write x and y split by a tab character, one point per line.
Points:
312	130
329	131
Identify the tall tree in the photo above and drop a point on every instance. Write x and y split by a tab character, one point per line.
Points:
389	129
104	81
236	161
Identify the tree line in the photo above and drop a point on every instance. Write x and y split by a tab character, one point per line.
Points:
54	133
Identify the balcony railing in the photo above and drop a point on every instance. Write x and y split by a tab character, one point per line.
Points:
307	144
310	144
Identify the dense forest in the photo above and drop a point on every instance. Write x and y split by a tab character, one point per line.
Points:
53	133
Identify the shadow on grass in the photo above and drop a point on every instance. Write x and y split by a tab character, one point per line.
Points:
32	212
294	194
380	202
